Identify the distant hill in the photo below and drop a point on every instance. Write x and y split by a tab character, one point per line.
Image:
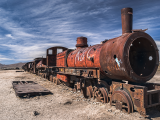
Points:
12	65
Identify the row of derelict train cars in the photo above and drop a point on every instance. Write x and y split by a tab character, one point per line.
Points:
115	71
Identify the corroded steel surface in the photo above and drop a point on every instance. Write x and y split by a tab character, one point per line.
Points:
28	88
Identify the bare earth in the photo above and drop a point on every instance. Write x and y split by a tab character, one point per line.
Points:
64	104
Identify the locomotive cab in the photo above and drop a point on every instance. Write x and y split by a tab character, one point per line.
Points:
52	54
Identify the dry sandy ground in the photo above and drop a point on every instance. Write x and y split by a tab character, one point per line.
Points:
63	104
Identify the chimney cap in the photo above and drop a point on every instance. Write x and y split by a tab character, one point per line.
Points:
126	10
81	42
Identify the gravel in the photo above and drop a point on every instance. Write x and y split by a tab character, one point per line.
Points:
63	104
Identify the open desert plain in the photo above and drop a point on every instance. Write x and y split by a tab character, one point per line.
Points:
63	104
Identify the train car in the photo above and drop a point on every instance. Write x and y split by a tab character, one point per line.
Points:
28	66
24	67
115	71
41	66
34	66
47	66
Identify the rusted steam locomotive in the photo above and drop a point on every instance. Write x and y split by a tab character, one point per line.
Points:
114	71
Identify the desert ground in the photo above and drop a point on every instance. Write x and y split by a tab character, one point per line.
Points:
63	104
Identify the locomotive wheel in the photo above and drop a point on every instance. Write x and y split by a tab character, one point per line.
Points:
122	101
57	81
42	75
54	79
87	92
51	78
45	76
75	88
100	94
104	84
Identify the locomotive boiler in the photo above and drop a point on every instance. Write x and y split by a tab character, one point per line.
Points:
133	56
115	71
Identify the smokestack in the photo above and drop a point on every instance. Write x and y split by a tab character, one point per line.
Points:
126	17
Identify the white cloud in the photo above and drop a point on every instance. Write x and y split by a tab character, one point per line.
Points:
2	58
158	45
147	22
10	36
26	52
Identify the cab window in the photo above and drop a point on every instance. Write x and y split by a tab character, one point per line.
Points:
59	50
50	51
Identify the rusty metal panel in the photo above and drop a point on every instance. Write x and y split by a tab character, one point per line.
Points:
85	57
80	57
83	72
71	58
29	88
63	78
41	63
93	56
51	60
153	98
61	59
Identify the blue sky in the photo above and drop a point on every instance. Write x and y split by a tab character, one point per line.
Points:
29	27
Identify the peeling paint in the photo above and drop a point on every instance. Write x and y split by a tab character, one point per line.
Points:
118	62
